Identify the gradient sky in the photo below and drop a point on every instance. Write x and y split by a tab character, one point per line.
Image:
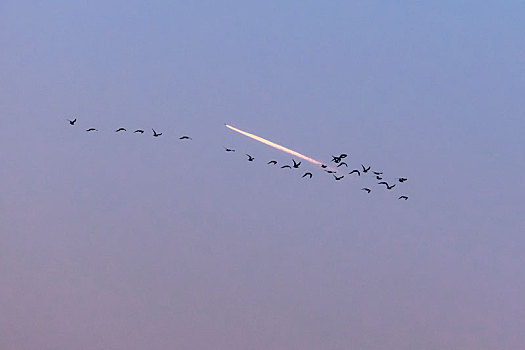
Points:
121	241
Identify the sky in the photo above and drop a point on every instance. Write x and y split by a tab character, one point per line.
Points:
125	241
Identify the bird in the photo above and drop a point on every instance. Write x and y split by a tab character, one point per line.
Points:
272	162
72	122
330	171
228	149
91	129
355	171
120	129
336	159
387	187
365	170
378	172
295	164
140	131
379	177
343	163
338	178
250	158
402	179
185	138
366	189
323	166
403	197
307	174
286	166
343	155
156	134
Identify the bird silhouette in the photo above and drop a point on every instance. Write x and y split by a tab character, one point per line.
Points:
185	138
365	170
366	189
120	129
156	134
387	186
272	162
250	158
336	159
295	164
140	131
402	179
403	197
228	149
286	166
307	174
343	155
72	122
338	178
343	163
379	177
378	172
355	171
91	129
323	166
330	171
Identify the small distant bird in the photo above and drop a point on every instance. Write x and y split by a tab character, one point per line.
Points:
379	178
365	170
286	166
91	129
307	174
378	172
323	166
72	122
366	189
185	138
343	163
343	155
250	158
387	187
336	159
330	171
338	178
140	131
156	134
402	179
355	171
120	129
403	197
295	164
229	149
272	162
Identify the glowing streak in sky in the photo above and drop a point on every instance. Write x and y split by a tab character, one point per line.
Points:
274	145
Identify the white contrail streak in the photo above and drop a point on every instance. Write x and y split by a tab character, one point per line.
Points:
274	145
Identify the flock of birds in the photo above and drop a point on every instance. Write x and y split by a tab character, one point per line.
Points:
328	169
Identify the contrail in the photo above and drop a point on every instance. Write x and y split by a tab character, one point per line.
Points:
274	145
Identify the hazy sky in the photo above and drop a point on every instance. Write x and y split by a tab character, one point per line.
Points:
122	241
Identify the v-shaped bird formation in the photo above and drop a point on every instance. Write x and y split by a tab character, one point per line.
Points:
336	172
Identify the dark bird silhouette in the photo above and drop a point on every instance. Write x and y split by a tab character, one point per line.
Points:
365	170
91	129
140	131
378	172
250	158
228	149
342	163
366	189
323	166
402	179
355	171
307	174
338	178
185	138
156	134
295	164
272	162
379	178
72	122
343	155
387	187
336	159
330	171
286	166
120	129
403	197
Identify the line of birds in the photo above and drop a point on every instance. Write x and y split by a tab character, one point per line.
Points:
336	159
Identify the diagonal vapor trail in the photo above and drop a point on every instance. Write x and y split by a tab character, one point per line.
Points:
274	145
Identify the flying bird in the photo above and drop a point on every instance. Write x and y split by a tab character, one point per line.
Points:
228	149
355	171
343	163
155	134
338	178
366	189
330	171
336	159
140	131
120	129
343	155
307	174
250	158
272	162
387	187
295	164
91	129
365	170
379	177
72	122
403	197
185	138
378	172
402	179
286	166
323	166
